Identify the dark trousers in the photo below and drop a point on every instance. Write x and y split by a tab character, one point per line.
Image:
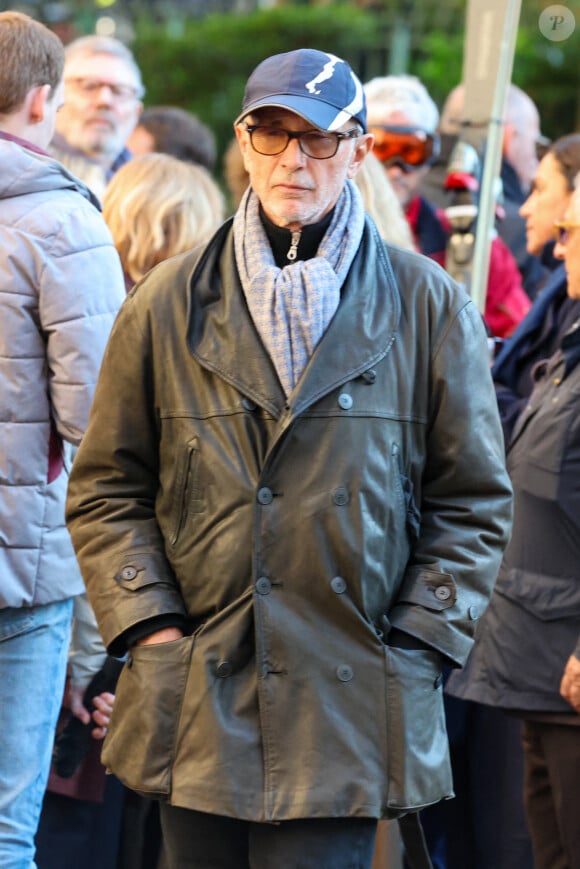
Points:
552	793
195	840
76	833
484	827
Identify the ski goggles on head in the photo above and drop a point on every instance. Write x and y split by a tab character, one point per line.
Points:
407	147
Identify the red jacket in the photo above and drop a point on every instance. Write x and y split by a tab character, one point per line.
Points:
506	302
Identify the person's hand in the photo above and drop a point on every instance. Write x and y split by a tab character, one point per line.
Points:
166	635
102	713
570	684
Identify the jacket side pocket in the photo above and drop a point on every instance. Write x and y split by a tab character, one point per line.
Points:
419	768
140	745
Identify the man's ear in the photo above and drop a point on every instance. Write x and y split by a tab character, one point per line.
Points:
362	147
37	98
243	142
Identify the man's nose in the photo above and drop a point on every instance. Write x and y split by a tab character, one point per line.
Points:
104	95
395	171
559	251
293	155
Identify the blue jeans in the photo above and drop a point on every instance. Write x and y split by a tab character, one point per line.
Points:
33	655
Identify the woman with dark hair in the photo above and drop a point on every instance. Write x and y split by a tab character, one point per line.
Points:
526	657
487	754
485	826
553	311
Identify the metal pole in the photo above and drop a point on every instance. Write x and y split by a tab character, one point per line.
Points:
493	143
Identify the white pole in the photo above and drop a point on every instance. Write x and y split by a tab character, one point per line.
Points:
488	25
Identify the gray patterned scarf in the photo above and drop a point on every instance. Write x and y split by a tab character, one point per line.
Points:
292	307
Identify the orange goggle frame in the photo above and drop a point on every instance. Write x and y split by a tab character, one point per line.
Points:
407	147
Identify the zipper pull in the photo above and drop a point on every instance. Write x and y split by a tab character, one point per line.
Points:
293	249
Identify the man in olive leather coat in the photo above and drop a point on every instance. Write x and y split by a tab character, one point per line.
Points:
290	505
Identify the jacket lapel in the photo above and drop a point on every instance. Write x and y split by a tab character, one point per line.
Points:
222	336
221	333
362	330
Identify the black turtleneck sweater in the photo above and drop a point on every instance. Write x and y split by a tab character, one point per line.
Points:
303	243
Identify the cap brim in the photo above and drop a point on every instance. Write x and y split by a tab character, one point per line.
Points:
316	112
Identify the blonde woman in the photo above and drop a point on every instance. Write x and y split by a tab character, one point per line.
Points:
157	206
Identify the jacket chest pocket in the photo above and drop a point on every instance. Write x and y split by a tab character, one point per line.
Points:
187	490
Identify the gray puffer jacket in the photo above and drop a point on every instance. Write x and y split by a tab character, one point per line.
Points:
61	285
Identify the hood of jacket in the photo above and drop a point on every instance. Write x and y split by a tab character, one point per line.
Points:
26	172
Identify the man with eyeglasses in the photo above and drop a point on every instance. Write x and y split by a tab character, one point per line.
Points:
103	92
290	506
403	120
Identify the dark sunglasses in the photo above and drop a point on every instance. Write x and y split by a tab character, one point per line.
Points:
563	228
407	147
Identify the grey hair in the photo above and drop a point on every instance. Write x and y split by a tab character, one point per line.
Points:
402	93
94	44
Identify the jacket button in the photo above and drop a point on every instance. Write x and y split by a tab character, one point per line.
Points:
263	585
129	573
438	681
344	673
248	404
224	669
338	584
340	496
442	592
473	613
265	495
345	401
370	376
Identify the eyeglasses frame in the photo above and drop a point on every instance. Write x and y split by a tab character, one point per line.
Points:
129	92
354	133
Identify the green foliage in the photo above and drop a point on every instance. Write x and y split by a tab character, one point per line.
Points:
202	64
547	71
440	62
550	73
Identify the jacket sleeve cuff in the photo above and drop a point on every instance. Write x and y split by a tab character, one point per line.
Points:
138	632
429	608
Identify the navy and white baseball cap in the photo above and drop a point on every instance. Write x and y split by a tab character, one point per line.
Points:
320	87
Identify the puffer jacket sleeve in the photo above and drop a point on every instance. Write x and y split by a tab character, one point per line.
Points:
87	653
114	484
466	500
81	290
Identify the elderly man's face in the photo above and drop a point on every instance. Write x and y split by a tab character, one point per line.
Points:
294	189
102	105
